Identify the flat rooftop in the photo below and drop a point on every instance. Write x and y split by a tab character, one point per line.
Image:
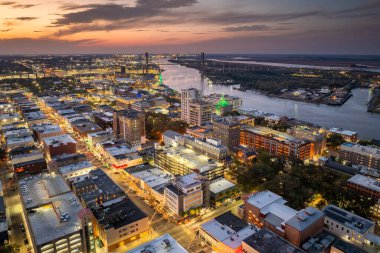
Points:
366	182
117	150
348	219
342	131
103	182
268	242
162	244
51	196
265	198
154	177
188	180
88	126
305	218
220	186
273	134
191	159
99	134
58	140
19	140
47	128
229	229
46	224
75	167
118	213
34	116
363	150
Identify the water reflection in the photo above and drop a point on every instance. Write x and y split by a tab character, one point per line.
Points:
352	115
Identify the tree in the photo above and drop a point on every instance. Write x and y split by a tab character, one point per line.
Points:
10	248
335	140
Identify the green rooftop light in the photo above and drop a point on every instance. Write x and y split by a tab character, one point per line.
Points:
222	102
160	82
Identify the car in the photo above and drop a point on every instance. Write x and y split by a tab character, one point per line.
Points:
25	193
29	200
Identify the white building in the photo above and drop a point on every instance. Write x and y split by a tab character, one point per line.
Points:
349	226
75	170
162	244
183	194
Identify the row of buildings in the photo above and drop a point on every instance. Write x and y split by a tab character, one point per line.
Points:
68	204
267	224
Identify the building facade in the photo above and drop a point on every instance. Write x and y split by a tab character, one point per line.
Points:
275	143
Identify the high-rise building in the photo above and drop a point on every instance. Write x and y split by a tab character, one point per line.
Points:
129	125
200	113
227	130
194	111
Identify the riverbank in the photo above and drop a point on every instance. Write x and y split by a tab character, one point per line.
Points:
352	115
285	83
374	103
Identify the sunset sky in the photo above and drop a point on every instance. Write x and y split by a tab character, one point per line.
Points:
181	26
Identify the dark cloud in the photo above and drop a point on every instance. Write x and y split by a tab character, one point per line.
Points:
226	18
17	5
246	28
25	18
7	3
23	6
5	30
114	12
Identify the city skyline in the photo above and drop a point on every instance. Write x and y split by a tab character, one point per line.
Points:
183	26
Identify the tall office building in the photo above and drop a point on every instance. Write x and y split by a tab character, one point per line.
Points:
194	110
227	130
129	125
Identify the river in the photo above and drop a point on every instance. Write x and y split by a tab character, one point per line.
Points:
352	115
303	66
